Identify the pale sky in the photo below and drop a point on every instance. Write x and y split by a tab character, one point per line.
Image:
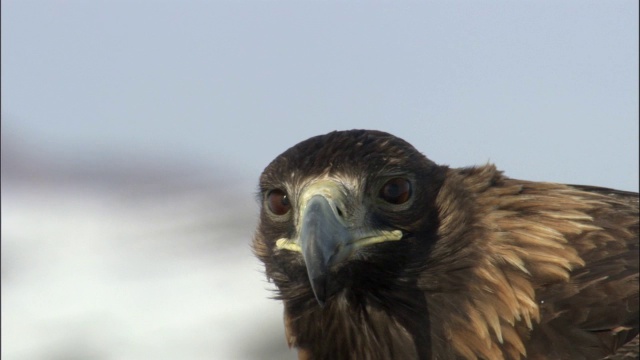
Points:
547	90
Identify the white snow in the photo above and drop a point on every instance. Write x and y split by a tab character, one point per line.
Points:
93	274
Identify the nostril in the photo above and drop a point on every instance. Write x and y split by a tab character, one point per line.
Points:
339	212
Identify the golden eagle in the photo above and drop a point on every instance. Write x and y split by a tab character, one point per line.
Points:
379	253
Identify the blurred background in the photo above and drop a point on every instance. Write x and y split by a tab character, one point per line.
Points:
133	134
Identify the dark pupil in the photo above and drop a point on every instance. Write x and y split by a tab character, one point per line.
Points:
396	191
393	190
278	202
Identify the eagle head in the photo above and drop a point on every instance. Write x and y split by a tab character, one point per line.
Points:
343	214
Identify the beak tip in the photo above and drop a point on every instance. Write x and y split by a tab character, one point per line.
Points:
319	287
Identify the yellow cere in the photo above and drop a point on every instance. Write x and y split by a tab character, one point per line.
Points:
384	236
287	244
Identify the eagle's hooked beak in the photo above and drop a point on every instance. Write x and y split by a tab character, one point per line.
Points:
324	241
325	238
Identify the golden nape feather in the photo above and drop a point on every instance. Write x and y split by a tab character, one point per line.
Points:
379	253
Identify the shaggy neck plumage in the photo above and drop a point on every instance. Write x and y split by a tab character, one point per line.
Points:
361	326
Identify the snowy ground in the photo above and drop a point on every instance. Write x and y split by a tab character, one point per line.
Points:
95	271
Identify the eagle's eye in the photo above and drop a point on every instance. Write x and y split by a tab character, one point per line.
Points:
396	191
278	202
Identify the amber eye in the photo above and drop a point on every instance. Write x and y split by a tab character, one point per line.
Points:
278	202
396	191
